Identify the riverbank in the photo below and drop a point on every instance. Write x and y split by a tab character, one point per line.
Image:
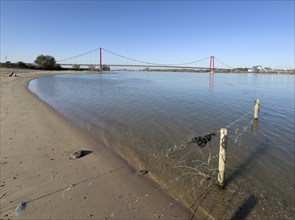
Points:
35	167
12	67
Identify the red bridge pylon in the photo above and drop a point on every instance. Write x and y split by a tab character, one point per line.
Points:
212	64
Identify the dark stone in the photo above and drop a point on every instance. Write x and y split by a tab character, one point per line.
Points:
143	172
75	155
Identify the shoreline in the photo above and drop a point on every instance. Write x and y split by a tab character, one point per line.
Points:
103	170
35	167
65	71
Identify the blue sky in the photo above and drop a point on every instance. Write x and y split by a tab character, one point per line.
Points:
239	33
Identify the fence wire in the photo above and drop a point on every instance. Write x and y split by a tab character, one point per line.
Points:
189	169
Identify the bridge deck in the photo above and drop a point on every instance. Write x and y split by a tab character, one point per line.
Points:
139	65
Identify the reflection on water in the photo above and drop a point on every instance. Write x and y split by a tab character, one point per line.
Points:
151	117
211	80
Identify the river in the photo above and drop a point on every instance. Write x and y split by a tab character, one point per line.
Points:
150	117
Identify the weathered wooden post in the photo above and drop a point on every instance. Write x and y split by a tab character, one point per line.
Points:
256	109
222	157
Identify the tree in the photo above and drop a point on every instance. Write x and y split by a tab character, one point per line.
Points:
76	66
47	62
57	66
106	68
91	67
21	64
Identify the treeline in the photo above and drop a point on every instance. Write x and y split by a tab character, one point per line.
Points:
18	65
47	62
44	62
90	67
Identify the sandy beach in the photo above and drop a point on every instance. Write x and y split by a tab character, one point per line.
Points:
35	167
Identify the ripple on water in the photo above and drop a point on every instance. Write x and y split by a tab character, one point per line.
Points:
151	116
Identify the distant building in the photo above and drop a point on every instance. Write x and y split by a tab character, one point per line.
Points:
257	68
260	68
268	69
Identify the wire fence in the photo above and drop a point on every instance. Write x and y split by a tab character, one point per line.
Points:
188	171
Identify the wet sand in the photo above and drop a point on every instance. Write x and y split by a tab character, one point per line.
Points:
36	143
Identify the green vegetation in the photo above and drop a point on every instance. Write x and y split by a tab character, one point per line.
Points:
76	66
237	70
47	62
106	68
91	68
20	65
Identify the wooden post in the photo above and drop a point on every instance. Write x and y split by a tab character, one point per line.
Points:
256	109
255	125
222	157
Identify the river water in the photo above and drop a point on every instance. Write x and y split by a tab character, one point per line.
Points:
150	117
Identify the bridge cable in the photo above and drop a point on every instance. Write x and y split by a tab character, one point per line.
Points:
144	62
224	64
78	55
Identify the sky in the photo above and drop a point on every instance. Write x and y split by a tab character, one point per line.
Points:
238	33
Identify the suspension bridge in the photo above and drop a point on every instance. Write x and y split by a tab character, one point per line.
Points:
100	57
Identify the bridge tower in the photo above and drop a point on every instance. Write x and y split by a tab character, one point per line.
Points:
100	52
212	64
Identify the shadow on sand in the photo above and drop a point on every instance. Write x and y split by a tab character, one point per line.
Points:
85	153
